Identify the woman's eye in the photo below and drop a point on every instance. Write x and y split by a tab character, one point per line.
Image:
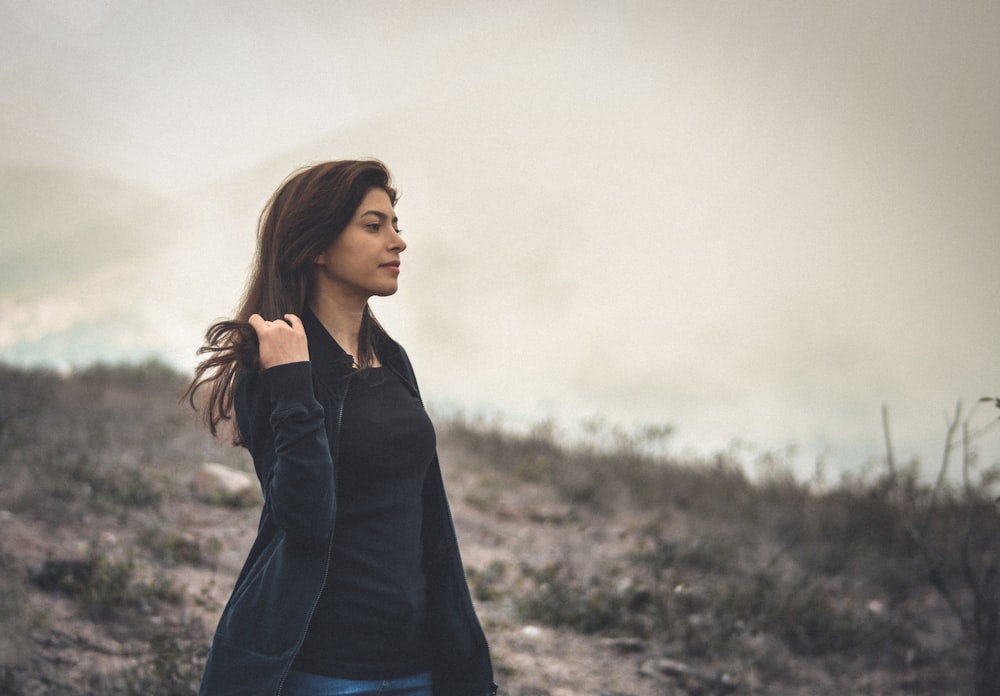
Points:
398	230
373	226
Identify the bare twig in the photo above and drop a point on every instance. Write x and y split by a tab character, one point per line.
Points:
918	531
890	457
978	609
953	425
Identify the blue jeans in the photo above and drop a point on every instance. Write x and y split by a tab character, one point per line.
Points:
305	684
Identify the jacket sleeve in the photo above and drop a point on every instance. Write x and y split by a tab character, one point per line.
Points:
283	426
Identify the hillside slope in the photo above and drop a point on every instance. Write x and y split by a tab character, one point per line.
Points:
595	573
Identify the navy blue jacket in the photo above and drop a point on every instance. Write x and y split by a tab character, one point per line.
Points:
289	419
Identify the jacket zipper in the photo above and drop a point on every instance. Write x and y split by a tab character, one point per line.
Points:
329	553
470	612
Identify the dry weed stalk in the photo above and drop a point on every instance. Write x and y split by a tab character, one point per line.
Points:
960	552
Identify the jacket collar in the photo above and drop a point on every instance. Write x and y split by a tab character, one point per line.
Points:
332	364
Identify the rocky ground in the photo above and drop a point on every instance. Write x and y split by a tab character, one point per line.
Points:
516	524
582	586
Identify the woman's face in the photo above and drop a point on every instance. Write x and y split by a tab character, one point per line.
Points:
364	259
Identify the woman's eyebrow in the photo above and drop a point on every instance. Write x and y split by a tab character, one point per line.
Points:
380	215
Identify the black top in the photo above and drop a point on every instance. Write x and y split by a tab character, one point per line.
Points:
370	621
289	419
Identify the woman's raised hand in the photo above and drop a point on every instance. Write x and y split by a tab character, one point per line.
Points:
281	341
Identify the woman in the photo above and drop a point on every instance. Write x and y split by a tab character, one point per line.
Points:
354	581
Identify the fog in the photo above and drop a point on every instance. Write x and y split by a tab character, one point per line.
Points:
755	222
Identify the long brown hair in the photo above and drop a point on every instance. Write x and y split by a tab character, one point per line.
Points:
303	217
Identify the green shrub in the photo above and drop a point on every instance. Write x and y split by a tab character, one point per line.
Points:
174	548
487	584
803	614
172	667
103	588
598	604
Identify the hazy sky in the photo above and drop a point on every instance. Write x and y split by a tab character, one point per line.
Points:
751	220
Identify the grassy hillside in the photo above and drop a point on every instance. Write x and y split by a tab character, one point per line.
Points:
594	571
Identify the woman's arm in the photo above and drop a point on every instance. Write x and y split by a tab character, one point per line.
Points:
284	427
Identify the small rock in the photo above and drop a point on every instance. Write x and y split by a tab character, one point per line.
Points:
221	485
683	671
875	607
531	632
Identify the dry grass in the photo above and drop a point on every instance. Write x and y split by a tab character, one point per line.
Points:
789	589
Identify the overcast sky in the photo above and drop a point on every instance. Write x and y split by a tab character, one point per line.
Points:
751	220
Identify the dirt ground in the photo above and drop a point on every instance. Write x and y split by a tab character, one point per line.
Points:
503	524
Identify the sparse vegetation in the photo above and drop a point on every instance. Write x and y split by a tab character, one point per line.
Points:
176	548
172	666
609	603
103	587
830	574
18	618
886	585
957	533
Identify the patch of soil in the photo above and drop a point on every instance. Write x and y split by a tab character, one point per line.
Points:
505	525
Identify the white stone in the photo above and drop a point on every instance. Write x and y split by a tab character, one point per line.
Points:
216	483
531	632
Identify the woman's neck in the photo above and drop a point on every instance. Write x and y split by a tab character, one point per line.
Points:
341	320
